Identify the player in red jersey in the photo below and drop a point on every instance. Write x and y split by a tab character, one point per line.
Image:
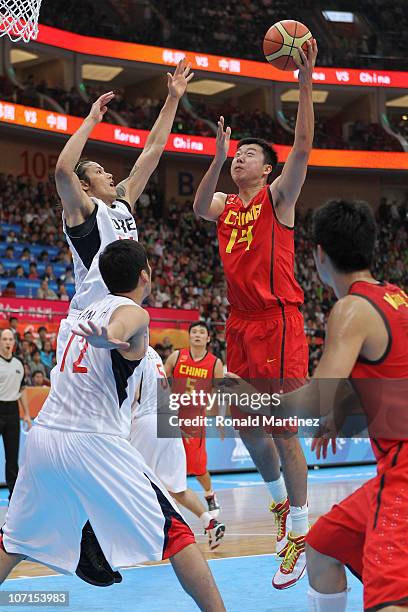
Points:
197	367
265	332
367	338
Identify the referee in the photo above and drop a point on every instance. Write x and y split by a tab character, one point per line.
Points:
11	378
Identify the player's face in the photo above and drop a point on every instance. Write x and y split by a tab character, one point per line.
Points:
101	183
248	165
199	337
7	341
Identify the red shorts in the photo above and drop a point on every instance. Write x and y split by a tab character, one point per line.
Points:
196	455
368	532
273	347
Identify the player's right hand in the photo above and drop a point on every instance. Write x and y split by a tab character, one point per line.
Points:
100	107
223	141
320	444
99	337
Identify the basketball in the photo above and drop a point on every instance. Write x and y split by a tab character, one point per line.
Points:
282	41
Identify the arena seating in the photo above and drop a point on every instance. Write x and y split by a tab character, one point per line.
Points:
193	278
239	33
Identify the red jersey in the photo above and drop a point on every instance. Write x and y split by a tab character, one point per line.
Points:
198	374
385	401
258	254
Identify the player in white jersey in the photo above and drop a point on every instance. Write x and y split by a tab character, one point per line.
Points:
95	211
79	462
166	457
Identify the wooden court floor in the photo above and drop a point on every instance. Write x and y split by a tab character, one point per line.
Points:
249	525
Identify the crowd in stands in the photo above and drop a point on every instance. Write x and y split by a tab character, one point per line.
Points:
239	33
36	349
183	253
142	112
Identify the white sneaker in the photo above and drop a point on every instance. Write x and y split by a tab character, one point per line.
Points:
293	567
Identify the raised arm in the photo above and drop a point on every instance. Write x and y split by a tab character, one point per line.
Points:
208	204
132	188
77	205
286	188
126	332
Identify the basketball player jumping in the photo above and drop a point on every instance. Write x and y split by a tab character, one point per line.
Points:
79	462
166	456
95	211
366	338
197	367
265	334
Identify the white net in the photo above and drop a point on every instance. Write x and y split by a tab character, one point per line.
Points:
19	19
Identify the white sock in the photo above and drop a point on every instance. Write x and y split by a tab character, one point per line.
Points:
321	602
206	519
277	489
209	493
300	519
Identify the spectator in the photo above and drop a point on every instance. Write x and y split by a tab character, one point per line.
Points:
45	293
9	254
19	272
10	290
13	324
48	356
36	364
38	379
42	337
33	274
62	293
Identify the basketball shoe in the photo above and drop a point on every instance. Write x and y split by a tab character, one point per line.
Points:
93	566
213	505
283	524
293	566
215	532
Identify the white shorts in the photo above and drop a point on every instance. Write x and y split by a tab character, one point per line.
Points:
69	477
166	457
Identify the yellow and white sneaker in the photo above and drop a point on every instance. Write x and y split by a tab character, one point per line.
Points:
293	566
283	525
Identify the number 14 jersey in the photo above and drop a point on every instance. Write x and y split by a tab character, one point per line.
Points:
92	389
257	252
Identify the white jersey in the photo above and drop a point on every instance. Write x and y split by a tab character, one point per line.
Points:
105	225
92	389
153	375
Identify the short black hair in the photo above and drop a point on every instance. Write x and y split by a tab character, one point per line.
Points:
346	231
199	324
121	264
37	372
270	155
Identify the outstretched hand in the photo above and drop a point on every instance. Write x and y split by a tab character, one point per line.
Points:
100	107
99	337
223	141
178	81
306	62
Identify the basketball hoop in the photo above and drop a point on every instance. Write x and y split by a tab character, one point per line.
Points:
19	19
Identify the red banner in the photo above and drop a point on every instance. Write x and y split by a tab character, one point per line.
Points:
40	311
38	119
214	63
